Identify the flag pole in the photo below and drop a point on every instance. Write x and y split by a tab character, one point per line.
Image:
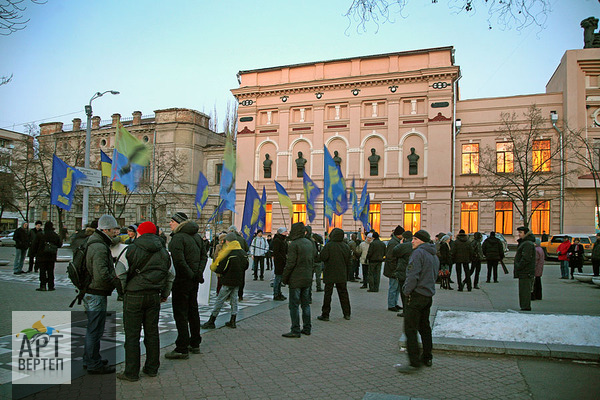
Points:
283	215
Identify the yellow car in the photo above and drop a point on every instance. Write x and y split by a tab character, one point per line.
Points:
550	247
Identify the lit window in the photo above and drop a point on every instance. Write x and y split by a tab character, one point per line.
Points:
504	157
412	217
504	217
541	155
336	222
470	158
468	216
375	217
540	216
269	217
299	213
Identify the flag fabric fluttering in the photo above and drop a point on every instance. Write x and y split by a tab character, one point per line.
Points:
130	157
227	189
201	193
106	167
363	207
64	182
311	192
284	199
250	217
354	201
335	198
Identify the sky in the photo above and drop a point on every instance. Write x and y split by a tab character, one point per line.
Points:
186	53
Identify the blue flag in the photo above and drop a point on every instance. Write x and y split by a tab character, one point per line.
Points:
336	200
284	198
201	193
363	207
262	216
311	192
64	181
227	190
251	212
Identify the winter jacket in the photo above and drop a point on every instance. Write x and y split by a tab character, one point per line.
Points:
562	250
389	269
301	254
422	271
33	234
259	246
280	248
477	252
187	250
462	252
575	252
596	250
99	263
354	249
336	258
445	254
149	264
309	236
21	237
402	253
231	264
539	260
364	249
525	257
39	244
376	253
492	249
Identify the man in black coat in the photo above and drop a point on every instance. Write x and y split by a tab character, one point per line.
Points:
402	254
462	253
21	237
33	233
525	266
46	249
494	252
189	259
279	255
375	257
389	269
336	258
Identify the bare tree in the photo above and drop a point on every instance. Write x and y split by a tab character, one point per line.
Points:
12	17
231	119
5	79
114	202
526	165
504	13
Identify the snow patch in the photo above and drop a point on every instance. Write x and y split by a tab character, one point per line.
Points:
579	330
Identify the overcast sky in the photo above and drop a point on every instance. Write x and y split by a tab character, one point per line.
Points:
163	54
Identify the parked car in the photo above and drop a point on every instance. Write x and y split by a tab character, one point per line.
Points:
498	235
7	240
551	246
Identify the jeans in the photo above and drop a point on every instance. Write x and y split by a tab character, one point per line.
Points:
342	291
227	292
259	260
141	310
19	258
374	276
564	269
416	319
459	268
277	286
95	308
476	268
393	293
300	297
46	274
492	269
185	313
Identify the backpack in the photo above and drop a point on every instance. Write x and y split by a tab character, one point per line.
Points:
78	273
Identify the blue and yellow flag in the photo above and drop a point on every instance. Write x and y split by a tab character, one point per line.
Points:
106	166
363	207
311	192
227	190
262	217
64	181
201	194
251	212
130	157
336	200
354	201
284	199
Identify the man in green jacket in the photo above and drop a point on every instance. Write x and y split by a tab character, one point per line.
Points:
525	266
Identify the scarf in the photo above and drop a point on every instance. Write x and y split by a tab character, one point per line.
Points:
235	245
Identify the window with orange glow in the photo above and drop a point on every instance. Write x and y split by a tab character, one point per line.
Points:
269	217
470	158
541	155
540	216
299	213
504	157
469	211
412	217
375	217
336	222
504	217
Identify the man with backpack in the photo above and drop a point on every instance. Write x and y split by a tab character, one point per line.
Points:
189	259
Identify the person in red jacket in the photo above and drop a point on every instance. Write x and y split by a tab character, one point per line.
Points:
562	251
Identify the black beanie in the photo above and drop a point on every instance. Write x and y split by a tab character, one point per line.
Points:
179	217
398	230
423	235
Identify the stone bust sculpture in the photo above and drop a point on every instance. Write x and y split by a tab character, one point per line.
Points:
336	158
413	162
267	166
300	163
374	163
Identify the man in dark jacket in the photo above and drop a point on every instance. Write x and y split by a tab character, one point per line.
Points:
35	231
246	248
297	274
279	256
317	265
462	253
494	252
189	259
375	257
336	258
525	266
46	249
419	289
100	265
230	265
389	269
402	254
146	288
355	257
21	237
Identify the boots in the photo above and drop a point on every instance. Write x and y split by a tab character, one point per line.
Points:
210	324
231	323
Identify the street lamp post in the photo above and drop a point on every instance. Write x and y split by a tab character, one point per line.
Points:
88	141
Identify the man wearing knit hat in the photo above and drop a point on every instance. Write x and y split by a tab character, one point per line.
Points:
389	269
419	288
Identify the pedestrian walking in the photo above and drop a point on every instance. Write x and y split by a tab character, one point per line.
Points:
563	257
536	292
524	268
462	254
21	238
493	251
419	290
33	233
259	249
336	264
575	255
280	248
46	248
476	258
402	254
389	270
375	257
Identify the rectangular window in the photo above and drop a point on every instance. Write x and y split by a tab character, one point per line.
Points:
412	217
146	175
541	155
540	216
269	217
469	211
504	217
375	217
470	158
218	171
299	213
504	157
336	222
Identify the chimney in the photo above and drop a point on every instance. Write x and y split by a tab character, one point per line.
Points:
76	124
95	122
50	128
137	117
116	118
